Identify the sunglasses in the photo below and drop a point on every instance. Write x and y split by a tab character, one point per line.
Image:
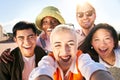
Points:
87	13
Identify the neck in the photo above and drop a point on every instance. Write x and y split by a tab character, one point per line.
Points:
86	31
110	60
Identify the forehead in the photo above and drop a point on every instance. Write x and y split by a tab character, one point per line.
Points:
63	36
24	32
102	32
84	7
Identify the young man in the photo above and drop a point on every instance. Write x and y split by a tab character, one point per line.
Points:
66	62
85	15
46	21
26	55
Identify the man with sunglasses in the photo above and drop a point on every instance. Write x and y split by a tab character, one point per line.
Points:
85	15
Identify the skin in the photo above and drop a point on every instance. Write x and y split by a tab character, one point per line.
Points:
103	43
86	22
49	23
26	41
64	46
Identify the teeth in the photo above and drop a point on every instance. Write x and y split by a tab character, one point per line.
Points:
66	58
49	30
27	47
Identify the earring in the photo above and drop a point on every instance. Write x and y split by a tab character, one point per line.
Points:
91	47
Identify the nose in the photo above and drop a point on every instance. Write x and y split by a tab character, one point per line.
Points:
85	16
26	41
102	43
51	25
65	49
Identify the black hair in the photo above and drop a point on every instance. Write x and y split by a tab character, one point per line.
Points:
86	45
22	25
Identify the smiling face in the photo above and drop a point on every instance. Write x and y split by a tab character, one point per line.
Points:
85	15
26	40
103	43
64	46
48	24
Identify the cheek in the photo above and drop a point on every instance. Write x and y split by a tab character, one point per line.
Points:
19	43
94	45
44	28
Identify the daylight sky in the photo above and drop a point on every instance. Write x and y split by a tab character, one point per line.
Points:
12	11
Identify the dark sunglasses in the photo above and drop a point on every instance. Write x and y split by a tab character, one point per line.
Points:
87	13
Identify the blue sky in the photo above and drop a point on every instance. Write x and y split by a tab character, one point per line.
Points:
12	11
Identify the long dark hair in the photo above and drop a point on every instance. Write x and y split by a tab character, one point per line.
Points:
86	46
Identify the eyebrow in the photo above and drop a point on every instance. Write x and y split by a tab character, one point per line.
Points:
68	41
27	36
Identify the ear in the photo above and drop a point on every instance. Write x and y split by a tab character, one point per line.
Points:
14	39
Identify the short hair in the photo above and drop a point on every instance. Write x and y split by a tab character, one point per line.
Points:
63	27
85	4
22	25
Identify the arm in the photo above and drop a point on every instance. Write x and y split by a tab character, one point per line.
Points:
91	69
5	56
101	75
45	67
4	73
43	77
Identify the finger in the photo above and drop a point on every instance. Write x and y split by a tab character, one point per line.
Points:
2	60
7	51
8	57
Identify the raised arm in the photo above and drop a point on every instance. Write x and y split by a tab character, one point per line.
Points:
101	75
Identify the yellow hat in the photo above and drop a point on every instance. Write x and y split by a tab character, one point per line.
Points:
49	11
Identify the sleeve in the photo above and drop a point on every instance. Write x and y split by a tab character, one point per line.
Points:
4	73
45	67
87	66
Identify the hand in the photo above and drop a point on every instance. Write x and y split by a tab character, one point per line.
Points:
5	56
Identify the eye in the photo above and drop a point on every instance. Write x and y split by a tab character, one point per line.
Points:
45	22
57	45
89	13
80	14
71	44
20	38
108	39
30	37
96	39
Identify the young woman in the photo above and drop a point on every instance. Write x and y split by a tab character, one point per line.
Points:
102	45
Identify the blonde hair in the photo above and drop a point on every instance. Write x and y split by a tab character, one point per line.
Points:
63	28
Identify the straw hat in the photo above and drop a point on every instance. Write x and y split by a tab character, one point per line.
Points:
48	11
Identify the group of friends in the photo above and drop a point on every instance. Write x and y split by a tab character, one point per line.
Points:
61	52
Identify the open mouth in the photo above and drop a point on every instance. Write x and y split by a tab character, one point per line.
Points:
49	30
103	50
27	47
65	58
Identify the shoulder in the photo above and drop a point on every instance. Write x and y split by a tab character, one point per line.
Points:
117	51
38	49
15	51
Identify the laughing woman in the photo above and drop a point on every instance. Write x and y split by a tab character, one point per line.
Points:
102	45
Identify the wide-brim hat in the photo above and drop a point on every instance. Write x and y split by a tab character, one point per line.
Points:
49	11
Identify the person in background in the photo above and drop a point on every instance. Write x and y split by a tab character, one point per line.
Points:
46	21
85	15
26	56
102	45
66	62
